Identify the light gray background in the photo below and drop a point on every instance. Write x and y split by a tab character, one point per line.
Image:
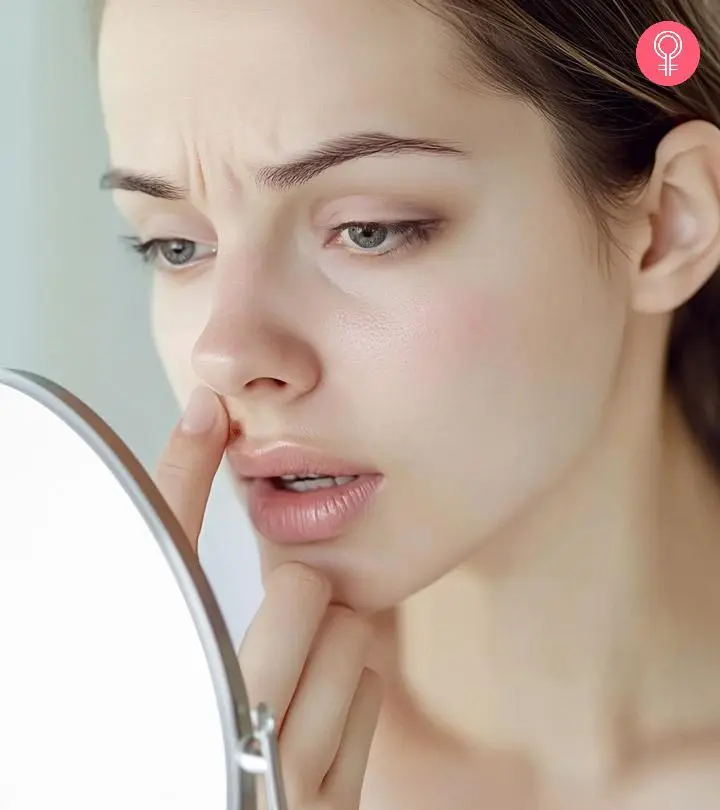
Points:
73	301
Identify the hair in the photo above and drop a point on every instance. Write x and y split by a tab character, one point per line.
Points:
574	61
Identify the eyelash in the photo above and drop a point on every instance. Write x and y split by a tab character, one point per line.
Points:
414	232
149	251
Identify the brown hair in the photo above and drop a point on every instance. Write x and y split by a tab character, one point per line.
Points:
575	61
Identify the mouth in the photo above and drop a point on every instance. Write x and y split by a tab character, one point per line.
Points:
296	495
310	483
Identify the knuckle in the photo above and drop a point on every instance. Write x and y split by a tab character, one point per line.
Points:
171	479
372	683
180	455
301	578
172	468
349	625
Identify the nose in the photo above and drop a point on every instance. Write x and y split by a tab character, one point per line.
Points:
244	357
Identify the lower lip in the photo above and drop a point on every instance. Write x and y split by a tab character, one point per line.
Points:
282	516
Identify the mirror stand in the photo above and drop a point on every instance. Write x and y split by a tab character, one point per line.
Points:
258	755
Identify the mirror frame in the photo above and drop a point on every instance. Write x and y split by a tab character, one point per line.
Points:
230	690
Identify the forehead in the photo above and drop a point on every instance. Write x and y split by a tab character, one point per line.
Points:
282	72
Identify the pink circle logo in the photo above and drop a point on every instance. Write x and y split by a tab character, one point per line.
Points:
668	53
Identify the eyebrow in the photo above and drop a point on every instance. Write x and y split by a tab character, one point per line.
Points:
297	171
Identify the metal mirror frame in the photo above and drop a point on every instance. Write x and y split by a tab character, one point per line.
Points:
249	735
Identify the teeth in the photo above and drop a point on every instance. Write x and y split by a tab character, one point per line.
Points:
309	483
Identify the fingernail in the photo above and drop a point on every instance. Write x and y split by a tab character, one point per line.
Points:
200	413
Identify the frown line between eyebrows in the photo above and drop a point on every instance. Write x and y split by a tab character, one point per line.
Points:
295	172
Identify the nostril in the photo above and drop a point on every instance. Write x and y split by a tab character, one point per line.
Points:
269	383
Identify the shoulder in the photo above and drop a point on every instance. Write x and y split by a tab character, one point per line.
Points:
686	781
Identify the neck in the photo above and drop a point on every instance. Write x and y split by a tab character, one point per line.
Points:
542	644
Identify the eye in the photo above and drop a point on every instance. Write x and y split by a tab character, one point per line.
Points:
382	238
173	253
368	236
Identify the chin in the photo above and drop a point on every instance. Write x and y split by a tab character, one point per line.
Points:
367	580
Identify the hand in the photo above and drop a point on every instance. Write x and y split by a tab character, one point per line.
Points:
191	459
307	660
303	657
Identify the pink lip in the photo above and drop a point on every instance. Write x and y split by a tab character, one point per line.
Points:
283	516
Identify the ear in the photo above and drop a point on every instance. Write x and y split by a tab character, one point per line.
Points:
681	206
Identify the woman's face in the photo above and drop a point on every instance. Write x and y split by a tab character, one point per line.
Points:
469	359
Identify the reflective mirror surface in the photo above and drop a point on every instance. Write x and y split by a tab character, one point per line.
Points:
119	689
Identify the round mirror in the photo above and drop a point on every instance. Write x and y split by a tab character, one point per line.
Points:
119	687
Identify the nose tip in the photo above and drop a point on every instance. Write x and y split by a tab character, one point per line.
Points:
257	366
233	375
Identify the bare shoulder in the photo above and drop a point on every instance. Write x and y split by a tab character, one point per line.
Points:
688	779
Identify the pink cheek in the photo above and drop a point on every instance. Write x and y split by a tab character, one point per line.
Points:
431	345
464	325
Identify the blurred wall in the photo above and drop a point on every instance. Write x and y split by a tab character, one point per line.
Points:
73	302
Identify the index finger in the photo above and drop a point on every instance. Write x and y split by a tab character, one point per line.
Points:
191	458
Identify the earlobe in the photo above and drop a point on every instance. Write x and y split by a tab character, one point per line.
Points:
682	206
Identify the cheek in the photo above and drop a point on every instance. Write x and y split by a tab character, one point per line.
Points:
415	373
431	346
177	323
441	337
499	382
468	324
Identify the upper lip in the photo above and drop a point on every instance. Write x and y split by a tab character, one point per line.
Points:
288	458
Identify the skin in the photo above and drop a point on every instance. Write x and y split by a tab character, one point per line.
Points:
325	728
506	377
